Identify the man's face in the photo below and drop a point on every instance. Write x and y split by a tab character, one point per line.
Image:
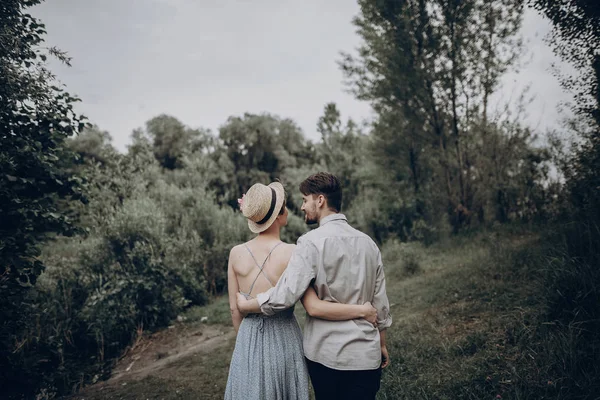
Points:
310	208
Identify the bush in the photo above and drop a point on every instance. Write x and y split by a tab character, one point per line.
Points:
571	281
401	260
295	228
129	282
162	249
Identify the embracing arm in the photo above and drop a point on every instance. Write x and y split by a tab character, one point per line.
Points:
322	309
233	289
247	306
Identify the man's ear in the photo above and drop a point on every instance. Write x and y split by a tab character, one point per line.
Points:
321	201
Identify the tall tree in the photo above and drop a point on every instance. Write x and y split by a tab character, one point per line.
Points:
576	39
426	68
342	150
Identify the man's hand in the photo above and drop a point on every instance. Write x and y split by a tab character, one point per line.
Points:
247	306
370	313
385	357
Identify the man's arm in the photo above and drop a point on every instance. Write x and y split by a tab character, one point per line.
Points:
380	299
385	357
301	270
382	304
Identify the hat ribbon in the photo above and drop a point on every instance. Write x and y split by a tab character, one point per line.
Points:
270	212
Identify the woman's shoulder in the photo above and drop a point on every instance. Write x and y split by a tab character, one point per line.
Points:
287	249
237	250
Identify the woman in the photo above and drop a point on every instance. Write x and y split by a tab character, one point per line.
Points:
268	360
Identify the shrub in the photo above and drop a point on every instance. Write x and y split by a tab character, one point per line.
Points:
401	259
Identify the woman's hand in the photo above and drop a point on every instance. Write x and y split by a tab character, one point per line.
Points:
242	305
370	313
247	306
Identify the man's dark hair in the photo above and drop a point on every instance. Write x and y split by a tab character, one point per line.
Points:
326	184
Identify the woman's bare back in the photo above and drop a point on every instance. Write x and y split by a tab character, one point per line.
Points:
247	258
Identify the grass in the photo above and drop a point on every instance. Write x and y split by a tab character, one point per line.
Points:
216	312
470	322
200	376
458	323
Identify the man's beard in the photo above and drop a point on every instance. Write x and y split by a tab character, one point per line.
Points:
310	220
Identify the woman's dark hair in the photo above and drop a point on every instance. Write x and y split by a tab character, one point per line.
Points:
282	207
326	184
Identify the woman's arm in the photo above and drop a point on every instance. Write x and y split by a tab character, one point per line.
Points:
232	288
318	308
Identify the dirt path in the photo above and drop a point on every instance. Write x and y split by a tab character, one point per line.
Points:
174	363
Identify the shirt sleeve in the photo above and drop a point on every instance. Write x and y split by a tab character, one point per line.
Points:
294	281
380	299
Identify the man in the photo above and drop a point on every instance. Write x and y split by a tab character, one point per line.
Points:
344	265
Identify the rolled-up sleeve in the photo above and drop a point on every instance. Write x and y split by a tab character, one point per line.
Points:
294	281
380	299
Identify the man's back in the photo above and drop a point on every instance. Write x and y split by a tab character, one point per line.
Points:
348	269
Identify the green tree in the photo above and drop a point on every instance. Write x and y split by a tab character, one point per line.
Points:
262	148
172	140
93	145
573	279
576	39
342	150
36	118
427	67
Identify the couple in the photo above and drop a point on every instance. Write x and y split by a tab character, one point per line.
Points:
337	273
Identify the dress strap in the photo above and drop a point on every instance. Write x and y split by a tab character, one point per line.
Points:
261	267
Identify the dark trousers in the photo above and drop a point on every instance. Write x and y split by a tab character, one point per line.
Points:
332	384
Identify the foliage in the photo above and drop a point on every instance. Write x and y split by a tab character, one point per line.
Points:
341	151
428	68
164	248
576	39
36	117
262	148
171	140
572	277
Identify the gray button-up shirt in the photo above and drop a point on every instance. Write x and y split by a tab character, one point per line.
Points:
346	267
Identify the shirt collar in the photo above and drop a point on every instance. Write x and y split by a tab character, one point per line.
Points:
332	217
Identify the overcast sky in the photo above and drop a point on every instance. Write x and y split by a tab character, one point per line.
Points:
205	60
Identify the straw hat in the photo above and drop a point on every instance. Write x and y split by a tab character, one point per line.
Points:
261	205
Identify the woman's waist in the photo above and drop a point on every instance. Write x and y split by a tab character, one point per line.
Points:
285	314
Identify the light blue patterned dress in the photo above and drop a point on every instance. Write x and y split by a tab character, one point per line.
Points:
268	359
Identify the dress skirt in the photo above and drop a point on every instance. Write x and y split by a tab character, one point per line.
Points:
268	360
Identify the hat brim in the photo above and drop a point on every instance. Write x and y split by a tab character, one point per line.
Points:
280	197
